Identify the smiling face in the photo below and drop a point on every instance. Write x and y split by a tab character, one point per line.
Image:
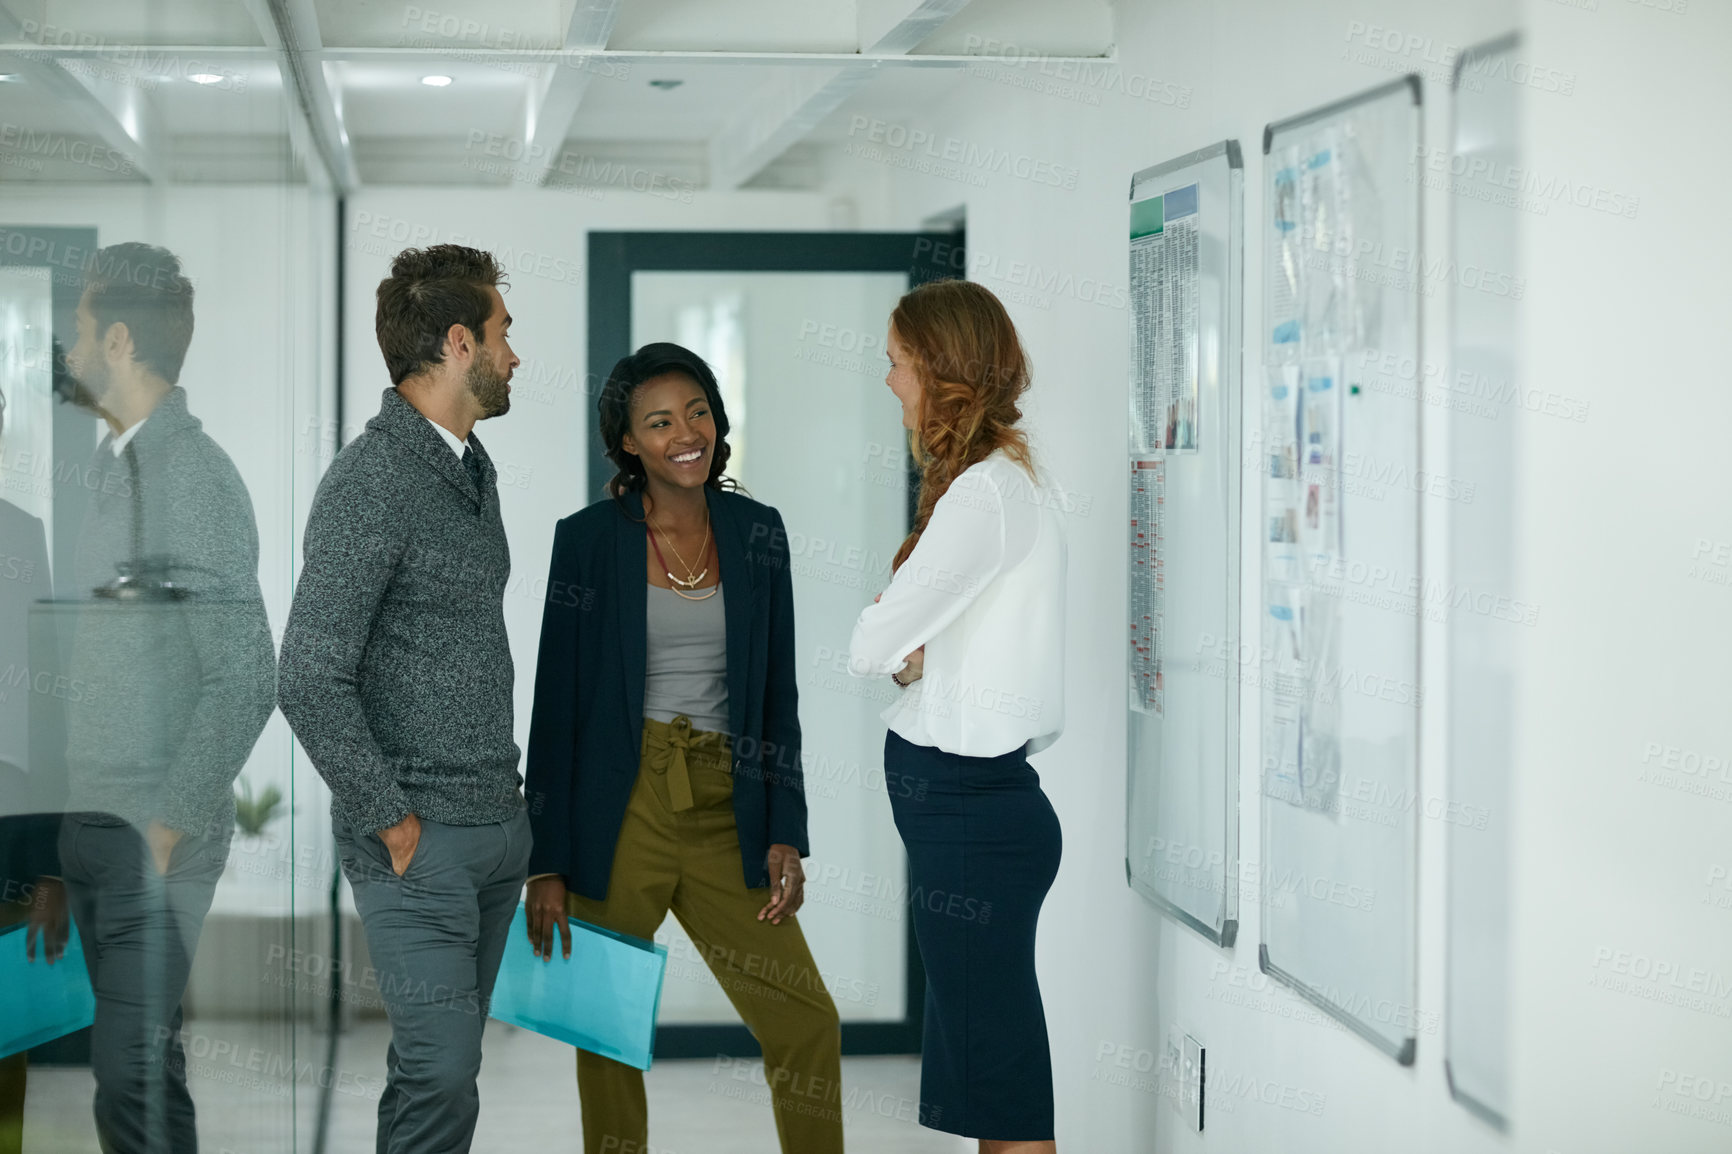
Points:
903	380
673	431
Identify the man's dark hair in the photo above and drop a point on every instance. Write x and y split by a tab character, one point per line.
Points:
428	291
141	286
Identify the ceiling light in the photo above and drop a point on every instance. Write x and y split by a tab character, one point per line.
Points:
666	85
10	78
436	81
204	77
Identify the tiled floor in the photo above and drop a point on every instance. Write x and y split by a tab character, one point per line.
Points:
253	1086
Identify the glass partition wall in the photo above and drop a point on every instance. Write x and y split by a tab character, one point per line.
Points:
181	963
167	371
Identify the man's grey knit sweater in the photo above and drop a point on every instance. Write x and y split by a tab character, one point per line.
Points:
175	693
395	671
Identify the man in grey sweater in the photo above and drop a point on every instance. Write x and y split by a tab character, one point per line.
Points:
396	677
169	676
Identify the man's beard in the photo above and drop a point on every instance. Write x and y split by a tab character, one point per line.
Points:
84	388
489	387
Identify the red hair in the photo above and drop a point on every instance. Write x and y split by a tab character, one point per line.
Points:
972	372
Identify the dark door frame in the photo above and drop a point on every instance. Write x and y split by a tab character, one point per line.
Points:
65	250
613	258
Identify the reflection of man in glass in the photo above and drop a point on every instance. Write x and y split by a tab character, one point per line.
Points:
27	826
170	643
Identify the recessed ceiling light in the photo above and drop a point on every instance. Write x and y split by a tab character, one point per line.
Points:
666	85
436	81
204	77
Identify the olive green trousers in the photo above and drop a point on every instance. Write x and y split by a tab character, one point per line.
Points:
679	852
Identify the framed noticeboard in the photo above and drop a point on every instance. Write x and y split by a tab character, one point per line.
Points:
1183	474
1341	593
1483	648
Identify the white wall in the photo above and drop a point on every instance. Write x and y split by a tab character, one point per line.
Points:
1628	651
1617	851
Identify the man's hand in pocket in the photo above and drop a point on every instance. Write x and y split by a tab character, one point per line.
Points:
162	841
401	839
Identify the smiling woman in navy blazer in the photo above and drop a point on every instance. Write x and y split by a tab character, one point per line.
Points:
591	669
664	750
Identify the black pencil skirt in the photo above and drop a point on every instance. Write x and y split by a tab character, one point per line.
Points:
983	849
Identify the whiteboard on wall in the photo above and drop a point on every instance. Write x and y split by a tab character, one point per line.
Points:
1341	592
1482	646
1182	551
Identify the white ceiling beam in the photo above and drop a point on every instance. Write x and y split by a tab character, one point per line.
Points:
240	54
723	58
291	27
896	26
775	119
792	106
554	96
213	53
117	113
592	23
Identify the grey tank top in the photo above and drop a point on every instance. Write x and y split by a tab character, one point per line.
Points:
686	667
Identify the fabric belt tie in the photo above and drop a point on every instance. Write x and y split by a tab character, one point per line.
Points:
665	752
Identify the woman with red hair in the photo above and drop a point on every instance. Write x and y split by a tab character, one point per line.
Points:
971	627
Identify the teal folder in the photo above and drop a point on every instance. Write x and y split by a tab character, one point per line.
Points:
40	1002
602	999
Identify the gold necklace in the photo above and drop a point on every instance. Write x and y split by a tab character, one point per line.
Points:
691	581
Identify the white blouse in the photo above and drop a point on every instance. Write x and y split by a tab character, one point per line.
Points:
984	591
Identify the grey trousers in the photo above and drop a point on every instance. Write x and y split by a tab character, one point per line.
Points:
140	930
436	935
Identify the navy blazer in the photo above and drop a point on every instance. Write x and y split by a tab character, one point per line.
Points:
586	730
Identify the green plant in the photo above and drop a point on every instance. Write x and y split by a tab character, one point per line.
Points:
253	814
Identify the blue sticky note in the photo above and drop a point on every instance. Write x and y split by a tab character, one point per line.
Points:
1181	202
602	999
40	1002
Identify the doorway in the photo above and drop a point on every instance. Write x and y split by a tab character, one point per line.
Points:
794	327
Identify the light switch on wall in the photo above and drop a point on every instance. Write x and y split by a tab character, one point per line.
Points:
1191	1082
